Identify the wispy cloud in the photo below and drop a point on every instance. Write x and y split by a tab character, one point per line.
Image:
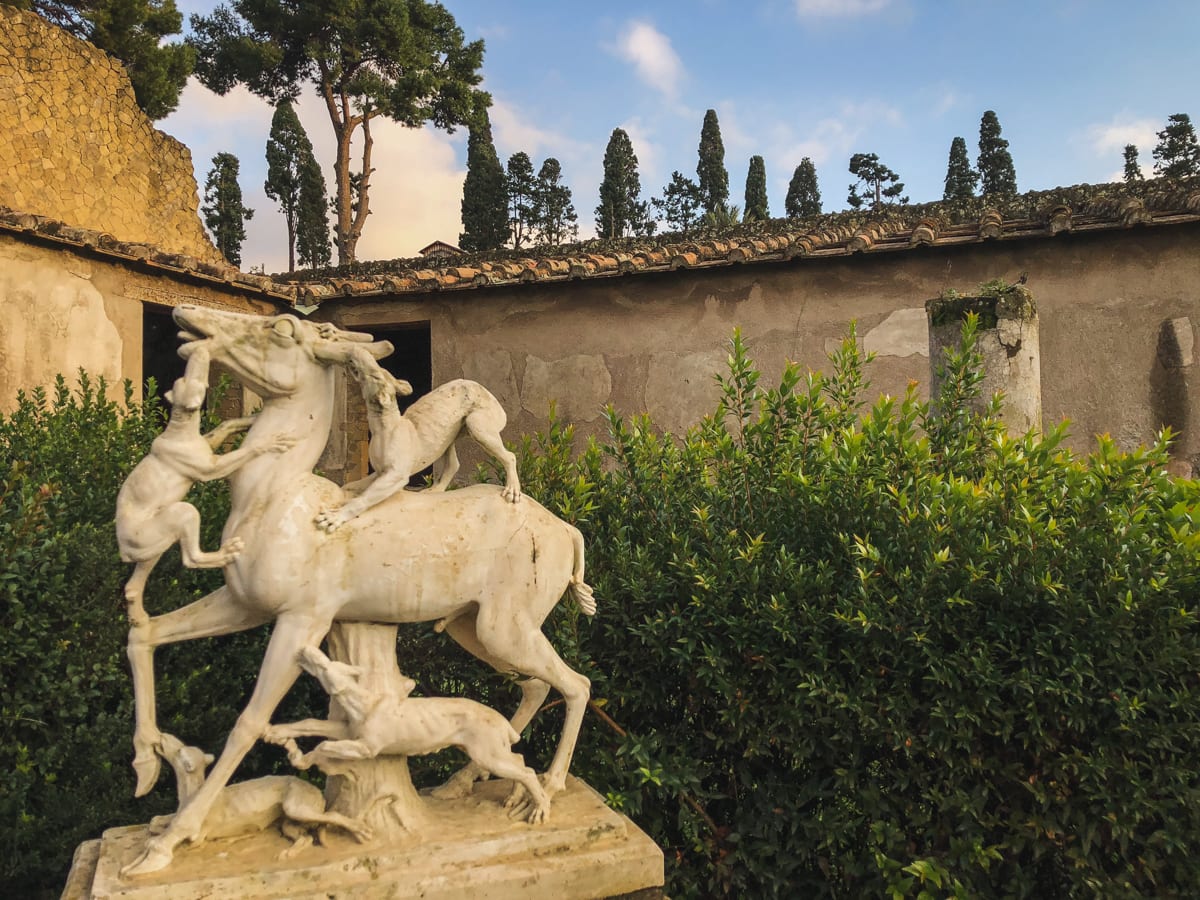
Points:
1110	138
839	9
652	56
514	131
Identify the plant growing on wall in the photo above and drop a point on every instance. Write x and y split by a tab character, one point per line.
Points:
406	60
997	176
485	198
621	211
710	169
756	207
878	184
133	31
803	196
1177	154
224	213
960	177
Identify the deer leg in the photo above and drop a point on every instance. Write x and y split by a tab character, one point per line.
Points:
278	673
449	468
523	648
209	616
134	591
533	694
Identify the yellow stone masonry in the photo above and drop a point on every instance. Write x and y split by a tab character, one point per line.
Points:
74	145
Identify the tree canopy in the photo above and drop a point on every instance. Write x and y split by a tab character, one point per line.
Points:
803	196
878	183
1177	154
756	206
406	60
1133	171
997	175
132	31
485	195
288	152
960	177
681	205
312	226
621	211
710	169
223	211
554	213
521	185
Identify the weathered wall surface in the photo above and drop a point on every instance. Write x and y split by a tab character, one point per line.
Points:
74	146
63	311
653	343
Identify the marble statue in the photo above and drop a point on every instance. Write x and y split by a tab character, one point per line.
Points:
489	569
415	726
249	807
402	445
151	512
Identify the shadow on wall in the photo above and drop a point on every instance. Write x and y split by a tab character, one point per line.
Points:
1169	400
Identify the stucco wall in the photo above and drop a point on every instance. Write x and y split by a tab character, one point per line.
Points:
63	310
74	146
652	343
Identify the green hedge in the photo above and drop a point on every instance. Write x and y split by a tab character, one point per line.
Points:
66	710
860	653
840	652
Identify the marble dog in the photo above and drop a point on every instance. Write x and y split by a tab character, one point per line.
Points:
413	727
403	444
249	807
151	512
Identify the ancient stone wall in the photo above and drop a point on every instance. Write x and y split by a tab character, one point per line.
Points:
65	310
654	343
74	146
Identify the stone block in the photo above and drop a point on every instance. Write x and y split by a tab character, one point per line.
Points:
585	852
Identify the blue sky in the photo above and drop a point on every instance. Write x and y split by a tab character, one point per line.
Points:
1072	82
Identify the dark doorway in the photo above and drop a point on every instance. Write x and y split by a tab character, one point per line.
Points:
412	359
160	343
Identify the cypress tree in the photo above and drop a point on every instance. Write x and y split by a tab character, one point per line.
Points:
621	210
313	246
223	211
485	196
1177	154
288	148
803	196
1133	172
997	175
756	206
520	186
710	170
960	177
554	213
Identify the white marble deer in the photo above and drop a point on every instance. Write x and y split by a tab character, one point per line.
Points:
491	569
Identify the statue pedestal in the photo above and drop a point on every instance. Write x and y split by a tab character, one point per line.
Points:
468	848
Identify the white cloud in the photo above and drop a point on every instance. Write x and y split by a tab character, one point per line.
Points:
1109	139
653	57
513	132
839	9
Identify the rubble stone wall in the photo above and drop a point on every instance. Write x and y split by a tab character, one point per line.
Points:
74	146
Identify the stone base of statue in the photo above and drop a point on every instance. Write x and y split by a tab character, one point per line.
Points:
467	848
